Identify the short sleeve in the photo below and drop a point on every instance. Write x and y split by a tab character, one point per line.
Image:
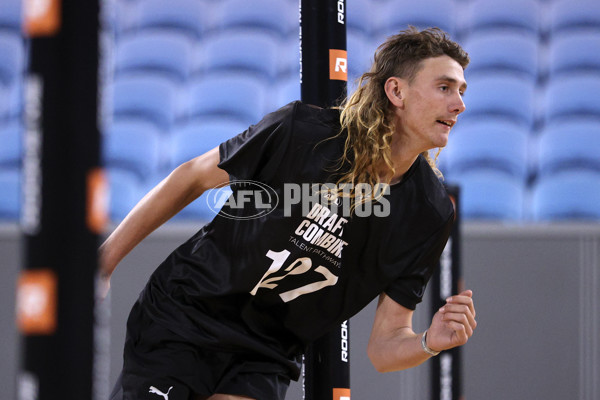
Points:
408	289
257	152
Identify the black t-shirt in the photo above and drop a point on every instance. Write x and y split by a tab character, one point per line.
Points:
270	283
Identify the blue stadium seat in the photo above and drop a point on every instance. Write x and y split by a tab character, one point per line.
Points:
394	16
125	191
567	195
5	108
11	102
16	100
359	16
487	144
158	51
520	15
503	95
133	145
196	137
247	52
10	194
186	16
574	52
12	49
572	96
227	95
122	17
146	96
501	50
289	57
286	90
11	146
490	195
569	145
11	13
360	55
276	16
567	15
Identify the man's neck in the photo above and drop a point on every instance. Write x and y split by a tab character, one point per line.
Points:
403	157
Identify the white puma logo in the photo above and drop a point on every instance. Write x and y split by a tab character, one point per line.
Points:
158	392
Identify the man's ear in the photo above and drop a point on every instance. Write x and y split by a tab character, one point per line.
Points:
394	89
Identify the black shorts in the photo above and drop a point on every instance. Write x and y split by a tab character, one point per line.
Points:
158	363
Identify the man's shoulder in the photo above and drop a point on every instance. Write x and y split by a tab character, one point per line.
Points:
308	123
434	190
310	113
297	111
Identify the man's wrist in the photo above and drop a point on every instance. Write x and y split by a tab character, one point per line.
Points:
426	348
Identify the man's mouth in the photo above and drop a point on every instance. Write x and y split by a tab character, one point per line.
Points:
448	123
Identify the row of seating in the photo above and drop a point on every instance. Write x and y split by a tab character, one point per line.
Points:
508	148
178	57
459	17
372	17
232	95
520	100
568	195
271	56
507	50
495	144
247	98
485	195
511	47
139	147
182	86
524	54
577	84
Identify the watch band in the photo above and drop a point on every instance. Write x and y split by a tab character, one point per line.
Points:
426	348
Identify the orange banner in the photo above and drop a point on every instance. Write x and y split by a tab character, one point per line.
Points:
338	65
97	201
41	17
341	394
37	302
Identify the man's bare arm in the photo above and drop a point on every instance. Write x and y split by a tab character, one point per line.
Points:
394	345
186	183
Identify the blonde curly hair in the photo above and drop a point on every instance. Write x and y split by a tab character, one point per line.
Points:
366	116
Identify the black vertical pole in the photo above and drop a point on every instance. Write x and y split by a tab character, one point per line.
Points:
323	47
446	368
63	208
324	77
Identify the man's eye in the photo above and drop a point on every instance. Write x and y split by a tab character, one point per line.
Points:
443	88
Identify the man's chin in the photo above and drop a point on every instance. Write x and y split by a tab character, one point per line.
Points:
441	142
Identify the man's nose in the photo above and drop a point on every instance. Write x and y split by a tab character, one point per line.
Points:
458	105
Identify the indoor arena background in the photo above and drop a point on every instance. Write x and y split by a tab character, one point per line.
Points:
526	155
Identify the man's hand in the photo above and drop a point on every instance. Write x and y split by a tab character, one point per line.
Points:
454	323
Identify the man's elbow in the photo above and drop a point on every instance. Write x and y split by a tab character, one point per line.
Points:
377	360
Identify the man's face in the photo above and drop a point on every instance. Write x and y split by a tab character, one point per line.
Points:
432	102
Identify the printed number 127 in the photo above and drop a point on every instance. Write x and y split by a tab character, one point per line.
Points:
298	267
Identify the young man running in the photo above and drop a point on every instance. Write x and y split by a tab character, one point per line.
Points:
229	313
